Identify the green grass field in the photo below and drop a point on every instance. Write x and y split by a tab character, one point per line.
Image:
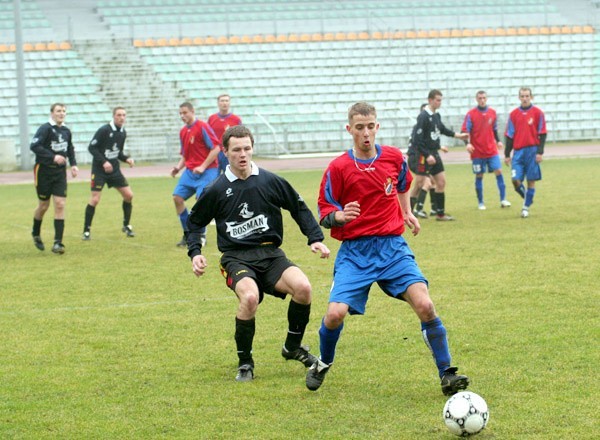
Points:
117	339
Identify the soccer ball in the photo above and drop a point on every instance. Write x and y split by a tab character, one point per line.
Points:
466	414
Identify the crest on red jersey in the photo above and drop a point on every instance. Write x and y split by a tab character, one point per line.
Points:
388	187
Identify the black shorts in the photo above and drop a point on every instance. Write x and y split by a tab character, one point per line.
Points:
417	163
101	178
50	181
265	265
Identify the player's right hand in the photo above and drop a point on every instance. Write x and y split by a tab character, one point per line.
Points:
199	265
351	211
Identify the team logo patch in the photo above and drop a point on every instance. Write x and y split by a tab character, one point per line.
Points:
388	186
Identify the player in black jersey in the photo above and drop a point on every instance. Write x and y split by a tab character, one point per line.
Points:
426	140
52	145
246	203
107	149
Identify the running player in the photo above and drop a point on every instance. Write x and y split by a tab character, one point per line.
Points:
364	200
220	122
246	202
199	151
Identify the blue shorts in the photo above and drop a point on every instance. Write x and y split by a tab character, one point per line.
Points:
489	164
524	165
388	261
190	183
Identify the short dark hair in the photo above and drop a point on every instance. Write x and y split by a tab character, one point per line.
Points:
116	109
361	108
223	96
433	93
187	105
480	92
237	131
57	104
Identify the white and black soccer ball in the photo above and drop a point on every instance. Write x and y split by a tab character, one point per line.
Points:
466	413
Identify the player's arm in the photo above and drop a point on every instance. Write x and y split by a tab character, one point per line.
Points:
38	146
405	179
332	213
200	216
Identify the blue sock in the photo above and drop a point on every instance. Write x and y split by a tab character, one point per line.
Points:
501	186
479	188
434	335
183	219
529	197
328	339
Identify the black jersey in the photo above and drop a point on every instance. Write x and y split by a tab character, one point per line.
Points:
426	135
107	145
248	212
51	140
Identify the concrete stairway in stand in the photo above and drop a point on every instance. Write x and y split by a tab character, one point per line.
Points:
152	105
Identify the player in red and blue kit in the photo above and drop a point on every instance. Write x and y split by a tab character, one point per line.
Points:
199	150
364	200
481	124
526	134
220	122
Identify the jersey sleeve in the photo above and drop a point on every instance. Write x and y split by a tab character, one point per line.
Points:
329	193
38	146
405	178
200	216
210	138
71	151
467	124
122	156
96	147
419	140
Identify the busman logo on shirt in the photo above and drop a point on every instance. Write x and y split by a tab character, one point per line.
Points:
257	224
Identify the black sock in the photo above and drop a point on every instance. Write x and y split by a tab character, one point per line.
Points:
432	197
59	229
127	207
37	227
89	216
421	200
413	202
244	335
440	203
298	315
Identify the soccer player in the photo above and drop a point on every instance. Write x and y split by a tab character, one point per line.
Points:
364	200
526	134
220	122
106	148
52	145
427	143
483	145
423	183
246	202
199	151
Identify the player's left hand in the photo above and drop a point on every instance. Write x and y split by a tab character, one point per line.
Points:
412	222
74	171
320	247
538	158
131	162
444	148
198	170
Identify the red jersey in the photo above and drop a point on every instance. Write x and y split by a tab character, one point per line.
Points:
525	125
219	123
481	124
374	184
196	142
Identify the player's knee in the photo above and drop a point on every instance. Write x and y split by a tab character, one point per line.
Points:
249	299
335	317
425	310
302	292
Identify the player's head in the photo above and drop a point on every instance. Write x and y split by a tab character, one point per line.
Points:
239	143
363	125
58	112
525	96
224	103
481	98
186	113
237	131
119	115
434	99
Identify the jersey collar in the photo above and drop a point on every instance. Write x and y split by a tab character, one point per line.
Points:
232	177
